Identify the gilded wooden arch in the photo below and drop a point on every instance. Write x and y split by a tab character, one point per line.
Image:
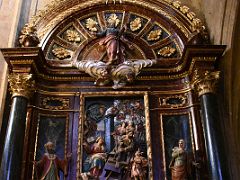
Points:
157	29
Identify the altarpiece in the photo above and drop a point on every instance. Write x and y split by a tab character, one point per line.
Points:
118	84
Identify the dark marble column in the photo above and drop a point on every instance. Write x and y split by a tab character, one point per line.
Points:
21	87
205	84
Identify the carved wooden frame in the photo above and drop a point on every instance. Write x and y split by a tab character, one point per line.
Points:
84	95
165	166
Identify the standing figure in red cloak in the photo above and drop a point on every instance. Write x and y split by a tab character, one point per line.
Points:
115	43
49	166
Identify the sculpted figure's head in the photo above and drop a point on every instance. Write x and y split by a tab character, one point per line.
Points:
49	146
181	143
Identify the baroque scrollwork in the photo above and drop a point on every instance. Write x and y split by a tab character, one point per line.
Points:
205	82
120	75
21	85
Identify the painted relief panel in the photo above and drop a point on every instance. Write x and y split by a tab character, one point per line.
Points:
114	142
178	147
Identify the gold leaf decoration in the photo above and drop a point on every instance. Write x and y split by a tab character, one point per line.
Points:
168	1
191	15
136	24
167	51
184	9
72	36
91	24
154	35
61	53
113	19
176	4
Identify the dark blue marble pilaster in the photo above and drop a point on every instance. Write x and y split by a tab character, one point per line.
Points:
213	138
13	147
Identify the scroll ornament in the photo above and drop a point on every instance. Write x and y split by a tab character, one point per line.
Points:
120	75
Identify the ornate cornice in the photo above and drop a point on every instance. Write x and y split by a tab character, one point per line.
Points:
205	81
21	85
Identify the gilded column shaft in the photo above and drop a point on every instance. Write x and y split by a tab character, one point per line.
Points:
21	87
205	85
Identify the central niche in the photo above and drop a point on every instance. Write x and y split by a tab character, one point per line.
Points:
115	134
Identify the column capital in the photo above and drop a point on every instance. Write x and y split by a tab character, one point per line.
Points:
21	85
205	81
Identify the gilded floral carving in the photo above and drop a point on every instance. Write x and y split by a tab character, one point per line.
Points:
21	85
184	9
136	24
205	81
191	15
61	53
167	51
176	4
72	36
154	35
113	19
91	25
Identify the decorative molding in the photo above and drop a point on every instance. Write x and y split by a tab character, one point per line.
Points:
21	85
196	24
205	82
174	101
55	103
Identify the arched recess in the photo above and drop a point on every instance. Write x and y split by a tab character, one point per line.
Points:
160	29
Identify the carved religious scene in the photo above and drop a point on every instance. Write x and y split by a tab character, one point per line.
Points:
114	140
112	89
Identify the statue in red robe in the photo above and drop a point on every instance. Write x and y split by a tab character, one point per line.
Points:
49	166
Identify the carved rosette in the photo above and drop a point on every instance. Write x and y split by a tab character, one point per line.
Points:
205	82
21	85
